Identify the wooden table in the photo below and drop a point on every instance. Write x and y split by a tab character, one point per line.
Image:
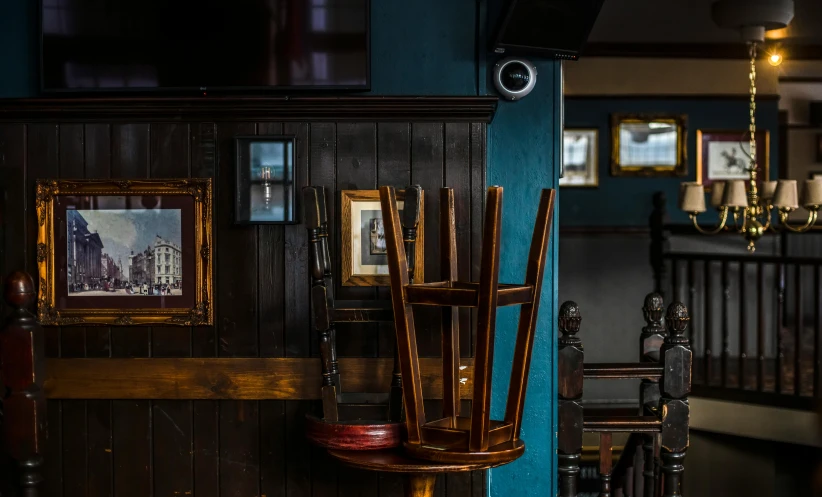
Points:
418	476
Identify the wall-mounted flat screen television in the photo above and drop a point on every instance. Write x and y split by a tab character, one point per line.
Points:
140	45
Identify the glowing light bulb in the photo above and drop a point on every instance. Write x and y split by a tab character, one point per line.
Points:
775	59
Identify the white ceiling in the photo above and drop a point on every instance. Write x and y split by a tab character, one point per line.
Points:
688	21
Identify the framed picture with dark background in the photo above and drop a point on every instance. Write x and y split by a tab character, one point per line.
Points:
364	261
265	186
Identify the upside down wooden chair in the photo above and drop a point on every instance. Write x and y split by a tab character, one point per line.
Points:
455	442
334	429
658	426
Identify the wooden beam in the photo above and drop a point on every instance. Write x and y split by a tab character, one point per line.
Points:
228	378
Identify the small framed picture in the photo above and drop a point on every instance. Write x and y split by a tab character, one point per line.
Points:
364	261
579	158
127	252
648	145
723	155
265	186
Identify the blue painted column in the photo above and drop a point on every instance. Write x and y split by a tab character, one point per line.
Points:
523	154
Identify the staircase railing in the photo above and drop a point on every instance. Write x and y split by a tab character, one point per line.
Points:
22	371
659	423
756	325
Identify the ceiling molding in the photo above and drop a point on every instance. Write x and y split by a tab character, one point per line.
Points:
697	50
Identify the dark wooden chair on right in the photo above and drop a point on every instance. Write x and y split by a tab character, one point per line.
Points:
661	420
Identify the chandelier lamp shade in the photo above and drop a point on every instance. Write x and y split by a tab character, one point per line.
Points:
749	207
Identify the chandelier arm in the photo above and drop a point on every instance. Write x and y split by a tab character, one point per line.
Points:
783	218
768	215
722	222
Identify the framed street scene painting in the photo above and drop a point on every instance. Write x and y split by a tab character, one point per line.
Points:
127	252
725	155
579	158
648	145
364	261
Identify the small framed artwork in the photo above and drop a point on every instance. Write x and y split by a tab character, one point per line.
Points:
648	145
265	186
130	252
364	261
723	155
579	158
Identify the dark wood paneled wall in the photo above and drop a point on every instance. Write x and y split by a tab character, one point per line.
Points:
228	448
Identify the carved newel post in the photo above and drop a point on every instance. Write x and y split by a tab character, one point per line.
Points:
650	343
570	366
23	371
675	386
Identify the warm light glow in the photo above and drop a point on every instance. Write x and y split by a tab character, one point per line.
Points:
775	59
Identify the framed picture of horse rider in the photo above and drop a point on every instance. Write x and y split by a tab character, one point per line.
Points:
725	155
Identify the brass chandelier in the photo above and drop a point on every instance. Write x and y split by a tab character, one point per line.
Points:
752	207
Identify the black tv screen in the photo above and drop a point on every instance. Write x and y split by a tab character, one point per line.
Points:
130	45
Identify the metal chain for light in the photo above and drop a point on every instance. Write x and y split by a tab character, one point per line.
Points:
752	126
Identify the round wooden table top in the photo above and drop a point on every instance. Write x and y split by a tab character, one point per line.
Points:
395	461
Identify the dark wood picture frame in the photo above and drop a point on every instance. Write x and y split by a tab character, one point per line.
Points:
243	182
680	168
193	307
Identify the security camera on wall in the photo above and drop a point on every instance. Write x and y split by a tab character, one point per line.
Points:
514	77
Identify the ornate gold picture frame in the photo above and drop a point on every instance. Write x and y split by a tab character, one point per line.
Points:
364	262
648	145
124	252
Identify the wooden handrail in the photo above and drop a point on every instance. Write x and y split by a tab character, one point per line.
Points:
607	370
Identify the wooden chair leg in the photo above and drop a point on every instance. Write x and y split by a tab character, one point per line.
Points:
568	469
673	469
419	484
395	392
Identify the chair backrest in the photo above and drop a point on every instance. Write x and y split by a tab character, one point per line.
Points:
477	434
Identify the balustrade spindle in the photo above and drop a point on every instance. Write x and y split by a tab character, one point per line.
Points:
743	328
706	323
817	323
760	327
798	325
780	319
605	464
726	328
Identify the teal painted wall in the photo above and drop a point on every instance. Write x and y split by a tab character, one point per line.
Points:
430	47
626	201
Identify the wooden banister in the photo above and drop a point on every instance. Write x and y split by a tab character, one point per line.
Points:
22	371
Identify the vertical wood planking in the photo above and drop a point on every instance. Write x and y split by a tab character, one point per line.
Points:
427	170
98	338
203	153
322	172
458	176
71	151
205	428
393	169
41	161
297	321
12	167
271	335
131	426
296	284
477	212
356	170
171	420
271	276
236	294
